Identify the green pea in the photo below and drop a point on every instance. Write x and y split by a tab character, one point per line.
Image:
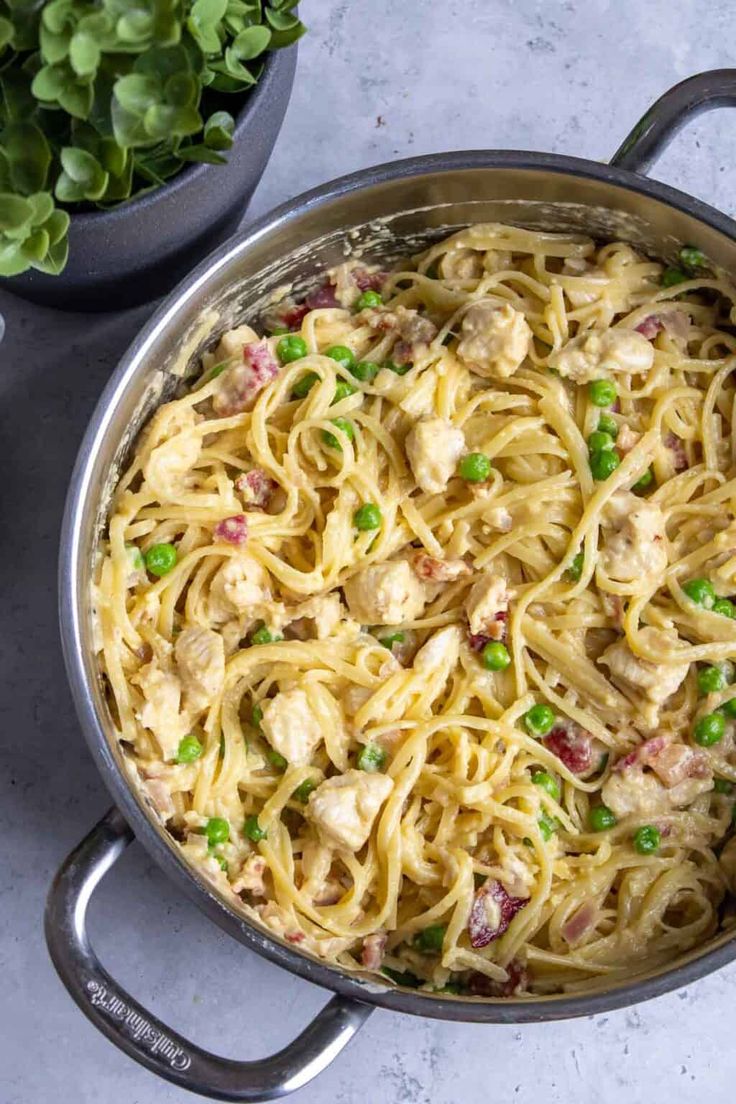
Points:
599	441
729	708
394	638
547	826
135	557
673	275
647	839
290	348
161	558
277	761
548	783
495	656
342	390
217	830
253	831
722	786
405	977
692	259
342	355
430	940
711	680
603	464
602	392
256	716
367	517
575	570
725	607
371	758
701	592
601	818
368	299
475	467
365	370
189	750
644	481
303	790
398	369
303	386
709	729
347	428
608	424
265	636
539	720
221	862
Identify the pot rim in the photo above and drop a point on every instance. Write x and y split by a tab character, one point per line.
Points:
272	73
81	488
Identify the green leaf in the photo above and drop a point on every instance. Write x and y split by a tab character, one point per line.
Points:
135	26
137	92
43	207
208	11
28	155
15	86
281	20
84	54
6	32
56	226
36	245
58	15
49	82
250	43
181	90
54	47
55	260
218	131
201	153
83	170
163	62
279	39
76	99
129	129
12	261
15	212
162	121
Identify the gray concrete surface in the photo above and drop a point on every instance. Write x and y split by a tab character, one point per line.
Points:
376	81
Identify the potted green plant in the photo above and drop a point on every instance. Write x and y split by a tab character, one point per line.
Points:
132	135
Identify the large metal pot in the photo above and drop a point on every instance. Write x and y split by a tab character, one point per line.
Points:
392	208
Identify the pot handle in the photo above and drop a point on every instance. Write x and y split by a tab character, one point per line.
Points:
136	1031
665	118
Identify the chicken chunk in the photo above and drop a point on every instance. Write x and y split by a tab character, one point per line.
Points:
485	599
494	340
635	542
653	682
161	712
636	792
232	343
322	614
166	468
291	726
344	807
595	281
440	653
385	594
434	447
240	585
439	571
595	353
239	385
200	659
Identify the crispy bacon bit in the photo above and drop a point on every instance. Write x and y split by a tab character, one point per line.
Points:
572	746
677	447
641	755
480	985
321	297
495	630
257	488
492	912
579	923
368	281
373	948
293	317
439	571
233	529
478	641
294	937
650	327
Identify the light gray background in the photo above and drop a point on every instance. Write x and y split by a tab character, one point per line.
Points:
377	80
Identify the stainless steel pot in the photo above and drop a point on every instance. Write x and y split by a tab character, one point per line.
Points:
390	209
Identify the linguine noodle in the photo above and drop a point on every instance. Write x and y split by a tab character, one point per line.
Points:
416	618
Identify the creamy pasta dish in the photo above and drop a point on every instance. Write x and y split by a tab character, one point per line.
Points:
416	614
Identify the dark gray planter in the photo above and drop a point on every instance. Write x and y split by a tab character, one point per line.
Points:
137	252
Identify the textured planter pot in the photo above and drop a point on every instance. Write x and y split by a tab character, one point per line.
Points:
137	252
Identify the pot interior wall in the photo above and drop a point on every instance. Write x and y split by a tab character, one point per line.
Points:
383	221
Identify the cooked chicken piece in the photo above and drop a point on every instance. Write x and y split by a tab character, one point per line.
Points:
161	711
497	260
439	571
385	594
494	340
345	807
595	280
166	468
595	353
626	439
251	875
635	541
676	762
499	518
487	597
655	683
239	385
323	613
232	343
635	792
200	659
238	586
291	726
434	447
440	653
160	796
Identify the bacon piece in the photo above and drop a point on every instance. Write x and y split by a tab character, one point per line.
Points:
492	911
368	281
641	755
438	571
572	746
579	923
321	297
478	641
650	327
257	488
294	937
677	446
241	384
372	952
480	985
293	317
233	529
